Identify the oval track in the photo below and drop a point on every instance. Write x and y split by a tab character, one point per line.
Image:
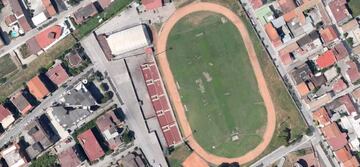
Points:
175	96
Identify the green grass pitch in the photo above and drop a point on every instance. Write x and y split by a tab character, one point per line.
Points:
217	84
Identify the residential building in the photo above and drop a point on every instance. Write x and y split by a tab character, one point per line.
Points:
273	35
132	160
85	13
352	72
322	117
6	118
37	88
152	4
343	154
110	127
47	38
328	34
18	13
73	106
340	11
21	103
12	156
57	74
69	158
334	136
105	3
74	59
40	135
326	59
90	145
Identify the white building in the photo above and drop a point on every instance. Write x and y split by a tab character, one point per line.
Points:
128	40
13	157
6	118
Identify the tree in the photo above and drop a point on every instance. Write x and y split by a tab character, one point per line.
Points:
310	131
99	76
107	96
3	80
45	161
104	86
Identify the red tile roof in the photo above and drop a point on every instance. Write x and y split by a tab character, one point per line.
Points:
48	36
107	125
10	20
353	162
340	51
24	24
84	13
321	116
353	71
160	103
152	4
290	15
57	74
343	154
330	131
37	88
68	158
4	112
74	59
16	8
286	5
303	89
286	59
328	34
273	35
325	60
338	141
90	145
256	3
104	3
339	86
21	103
346	100
49	7
339	10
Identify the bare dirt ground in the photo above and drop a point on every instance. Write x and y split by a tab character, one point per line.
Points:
175	96
194	160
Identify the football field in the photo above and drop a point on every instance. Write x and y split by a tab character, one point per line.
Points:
217	84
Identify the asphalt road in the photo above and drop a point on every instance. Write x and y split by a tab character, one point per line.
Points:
22	39
17	128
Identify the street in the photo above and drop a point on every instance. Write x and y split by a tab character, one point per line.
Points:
16	129
22	39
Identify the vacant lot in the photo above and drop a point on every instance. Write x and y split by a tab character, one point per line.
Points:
217	84
17	80
355	7
179	155
6	66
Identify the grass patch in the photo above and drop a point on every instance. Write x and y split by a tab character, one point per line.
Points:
6	65
354	7
24	51
287	114
217	84
87	27
17	80
179	155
